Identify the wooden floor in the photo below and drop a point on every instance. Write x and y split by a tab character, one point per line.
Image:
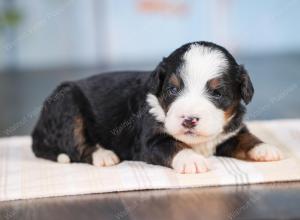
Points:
262	201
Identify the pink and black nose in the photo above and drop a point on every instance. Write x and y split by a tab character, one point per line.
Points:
190	122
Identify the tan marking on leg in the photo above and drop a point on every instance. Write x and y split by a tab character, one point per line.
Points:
79	135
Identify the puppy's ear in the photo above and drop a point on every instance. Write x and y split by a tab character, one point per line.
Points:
157	77
246	88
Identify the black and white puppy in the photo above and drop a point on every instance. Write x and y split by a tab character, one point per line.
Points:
189	107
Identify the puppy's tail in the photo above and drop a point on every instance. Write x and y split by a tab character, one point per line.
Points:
63	158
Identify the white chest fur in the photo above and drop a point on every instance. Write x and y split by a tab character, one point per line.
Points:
209	148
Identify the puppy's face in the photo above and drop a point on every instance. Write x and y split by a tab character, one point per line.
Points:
198	89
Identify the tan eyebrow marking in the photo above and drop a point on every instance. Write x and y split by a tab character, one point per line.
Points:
174	80
214	83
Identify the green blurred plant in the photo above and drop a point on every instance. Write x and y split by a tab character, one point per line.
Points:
10	18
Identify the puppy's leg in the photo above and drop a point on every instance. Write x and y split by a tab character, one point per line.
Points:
59	130
87	152
70	144
166	151
247	146
62	133
84	150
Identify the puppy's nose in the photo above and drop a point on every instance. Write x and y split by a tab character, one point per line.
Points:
190	122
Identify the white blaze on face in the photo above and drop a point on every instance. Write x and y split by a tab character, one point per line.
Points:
200	65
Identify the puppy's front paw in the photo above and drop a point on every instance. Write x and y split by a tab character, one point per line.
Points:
188	161
104	158
265	152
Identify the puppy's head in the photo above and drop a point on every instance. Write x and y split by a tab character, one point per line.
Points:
195	92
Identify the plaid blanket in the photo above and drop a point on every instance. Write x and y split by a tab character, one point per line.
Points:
23	176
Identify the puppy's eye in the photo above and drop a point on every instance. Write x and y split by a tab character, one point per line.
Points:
216	94
172	90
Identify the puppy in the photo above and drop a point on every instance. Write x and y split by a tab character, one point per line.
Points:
188	108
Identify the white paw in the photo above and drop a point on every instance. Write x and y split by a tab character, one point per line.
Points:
188	161
265	152
104	158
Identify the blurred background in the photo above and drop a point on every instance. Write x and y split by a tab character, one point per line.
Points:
44	42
